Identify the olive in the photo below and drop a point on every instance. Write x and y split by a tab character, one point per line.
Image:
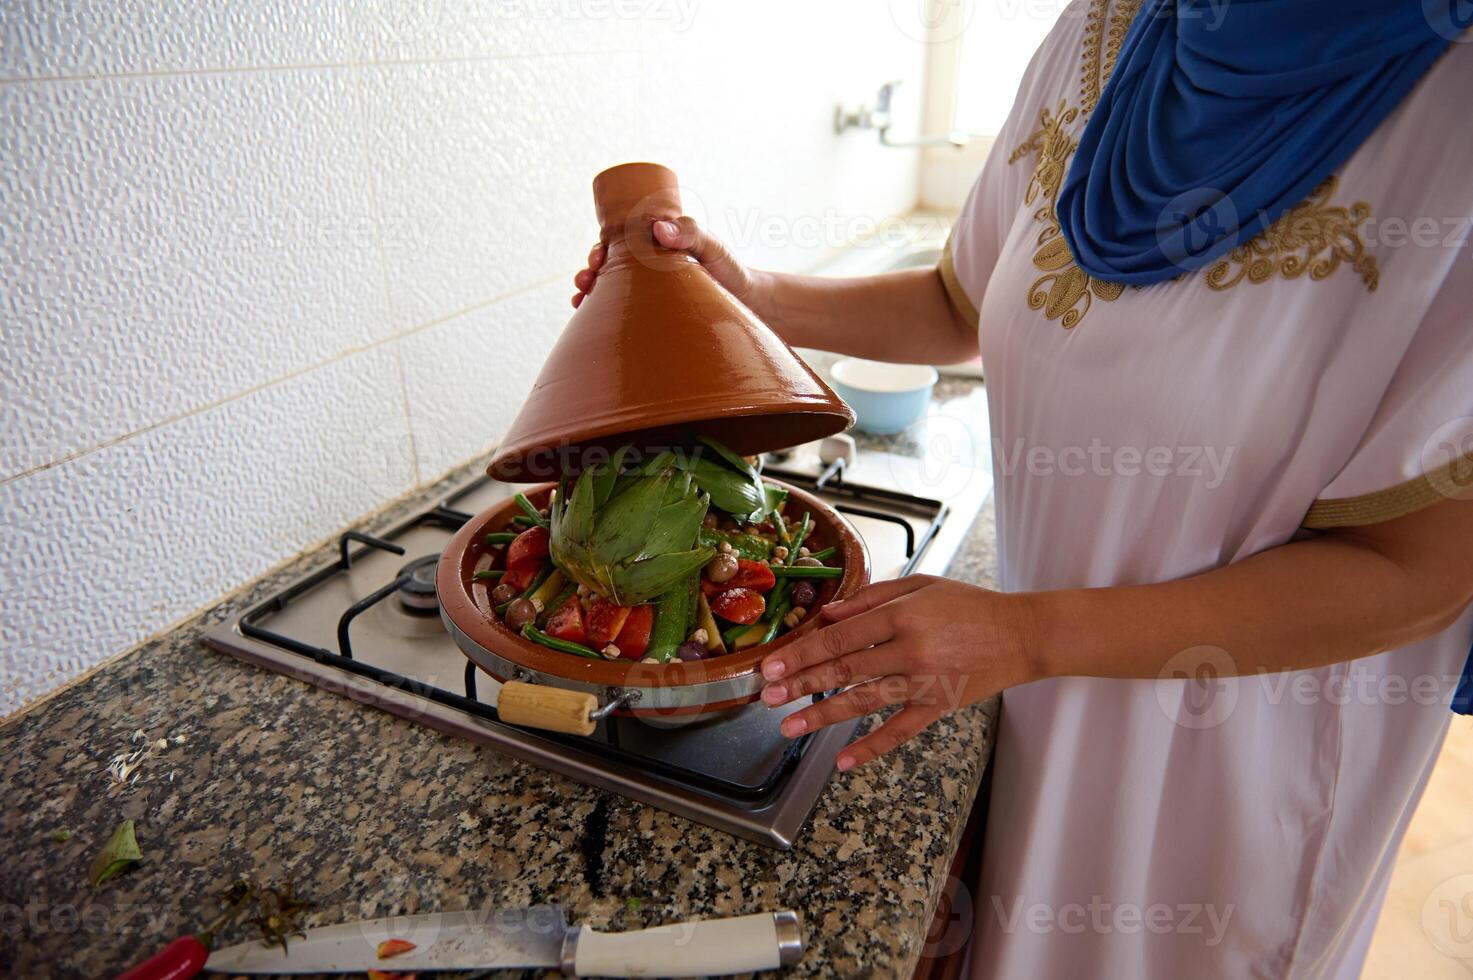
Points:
721	568
709	521
804	594
520	613
691	650
808	562
505	592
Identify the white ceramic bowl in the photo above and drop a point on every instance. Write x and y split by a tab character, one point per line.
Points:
886	398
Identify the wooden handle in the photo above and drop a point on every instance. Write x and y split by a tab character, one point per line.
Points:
553	708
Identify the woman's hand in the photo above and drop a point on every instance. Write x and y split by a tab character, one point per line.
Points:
683	234
928	643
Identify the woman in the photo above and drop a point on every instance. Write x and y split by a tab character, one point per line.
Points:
1197	256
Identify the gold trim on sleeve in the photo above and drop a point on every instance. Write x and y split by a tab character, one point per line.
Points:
954	290
1451	481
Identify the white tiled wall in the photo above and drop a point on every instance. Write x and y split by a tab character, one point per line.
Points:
266	265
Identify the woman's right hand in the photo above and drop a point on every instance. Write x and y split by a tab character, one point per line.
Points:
683	234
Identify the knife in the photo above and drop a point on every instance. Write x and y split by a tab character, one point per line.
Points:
537	937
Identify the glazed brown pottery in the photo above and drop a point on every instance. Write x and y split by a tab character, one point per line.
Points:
659	352
670	689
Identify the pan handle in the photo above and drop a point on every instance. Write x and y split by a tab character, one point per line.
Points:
553	708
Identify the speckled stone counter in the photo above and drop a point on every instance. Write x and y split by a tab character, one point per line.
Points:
369	815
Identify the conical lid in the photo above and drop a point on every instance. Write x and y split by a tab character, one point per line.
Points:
659	352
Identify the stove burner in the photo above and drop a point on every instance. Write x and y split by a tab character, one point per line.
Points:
417	592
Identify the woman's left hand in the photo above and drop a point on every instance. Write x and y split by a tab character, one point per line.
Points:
928	643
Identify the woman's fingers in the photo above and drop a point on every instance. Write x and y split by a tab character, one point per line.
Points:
875	595
898	729
857	701
851	669
584	279
828	643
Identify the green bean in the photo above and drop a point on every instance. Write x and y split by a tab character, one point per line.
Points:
807	571
487	573
522	520
531	512
825	553
729	636
566	646
501	537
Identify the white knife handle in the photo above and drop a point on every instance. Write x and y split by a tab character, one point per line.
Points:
708	947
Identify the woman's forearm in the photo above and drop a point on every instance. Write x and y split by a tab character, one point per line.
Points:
898	316
1304	604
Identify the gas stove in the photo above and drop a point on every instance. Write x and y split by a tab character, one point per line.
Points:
367	626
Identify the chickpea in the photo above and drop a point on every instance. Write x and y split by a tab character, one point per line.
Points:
700	636
610	652
779	552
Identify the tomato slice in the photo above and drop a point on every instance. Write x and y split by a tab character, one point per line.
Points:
528	548
753	575
634	638
739	606
521	577
567	622
605	620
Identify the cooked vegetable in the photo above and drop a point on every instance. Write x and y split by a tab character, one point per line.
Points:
634	638
605	620
821	556
648	560
669	628
722	568
708	623
632	542
557	643
567	623
520	613
739	605
754	575
745	545
532	513
528	548
808	571
487	574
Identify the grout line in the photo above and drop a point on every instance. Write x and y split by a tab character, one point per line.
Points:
308	66
289	376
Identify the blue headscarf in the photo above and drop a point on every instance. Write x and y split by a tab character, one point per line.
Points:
1221	115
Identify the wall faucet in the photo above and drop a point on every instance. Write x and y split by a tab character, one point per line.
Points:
877	117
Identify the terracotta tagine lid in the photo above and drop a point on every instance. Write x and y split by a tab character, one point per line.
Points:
659	352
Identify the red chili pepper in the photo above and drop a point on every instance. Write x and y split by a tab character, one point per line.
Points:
183	958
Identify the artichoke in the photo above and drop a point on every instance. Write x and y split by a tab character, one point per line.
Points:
630	537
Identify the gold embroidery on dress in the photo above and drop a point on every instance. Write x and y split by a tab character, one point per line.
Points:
1314	236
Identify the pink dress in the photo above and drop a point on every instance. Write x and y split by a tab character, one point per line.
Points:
1321	376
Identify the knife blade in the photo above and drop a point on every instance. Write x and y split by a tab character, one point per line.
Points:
536	937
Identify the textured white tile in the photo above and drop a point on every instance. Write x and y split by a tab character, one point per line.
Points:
741	105
419	30
43	38
485	169
100	552
467	377
167	242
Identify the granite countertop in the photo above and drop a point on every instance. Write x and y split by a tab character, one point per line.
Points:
369	815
